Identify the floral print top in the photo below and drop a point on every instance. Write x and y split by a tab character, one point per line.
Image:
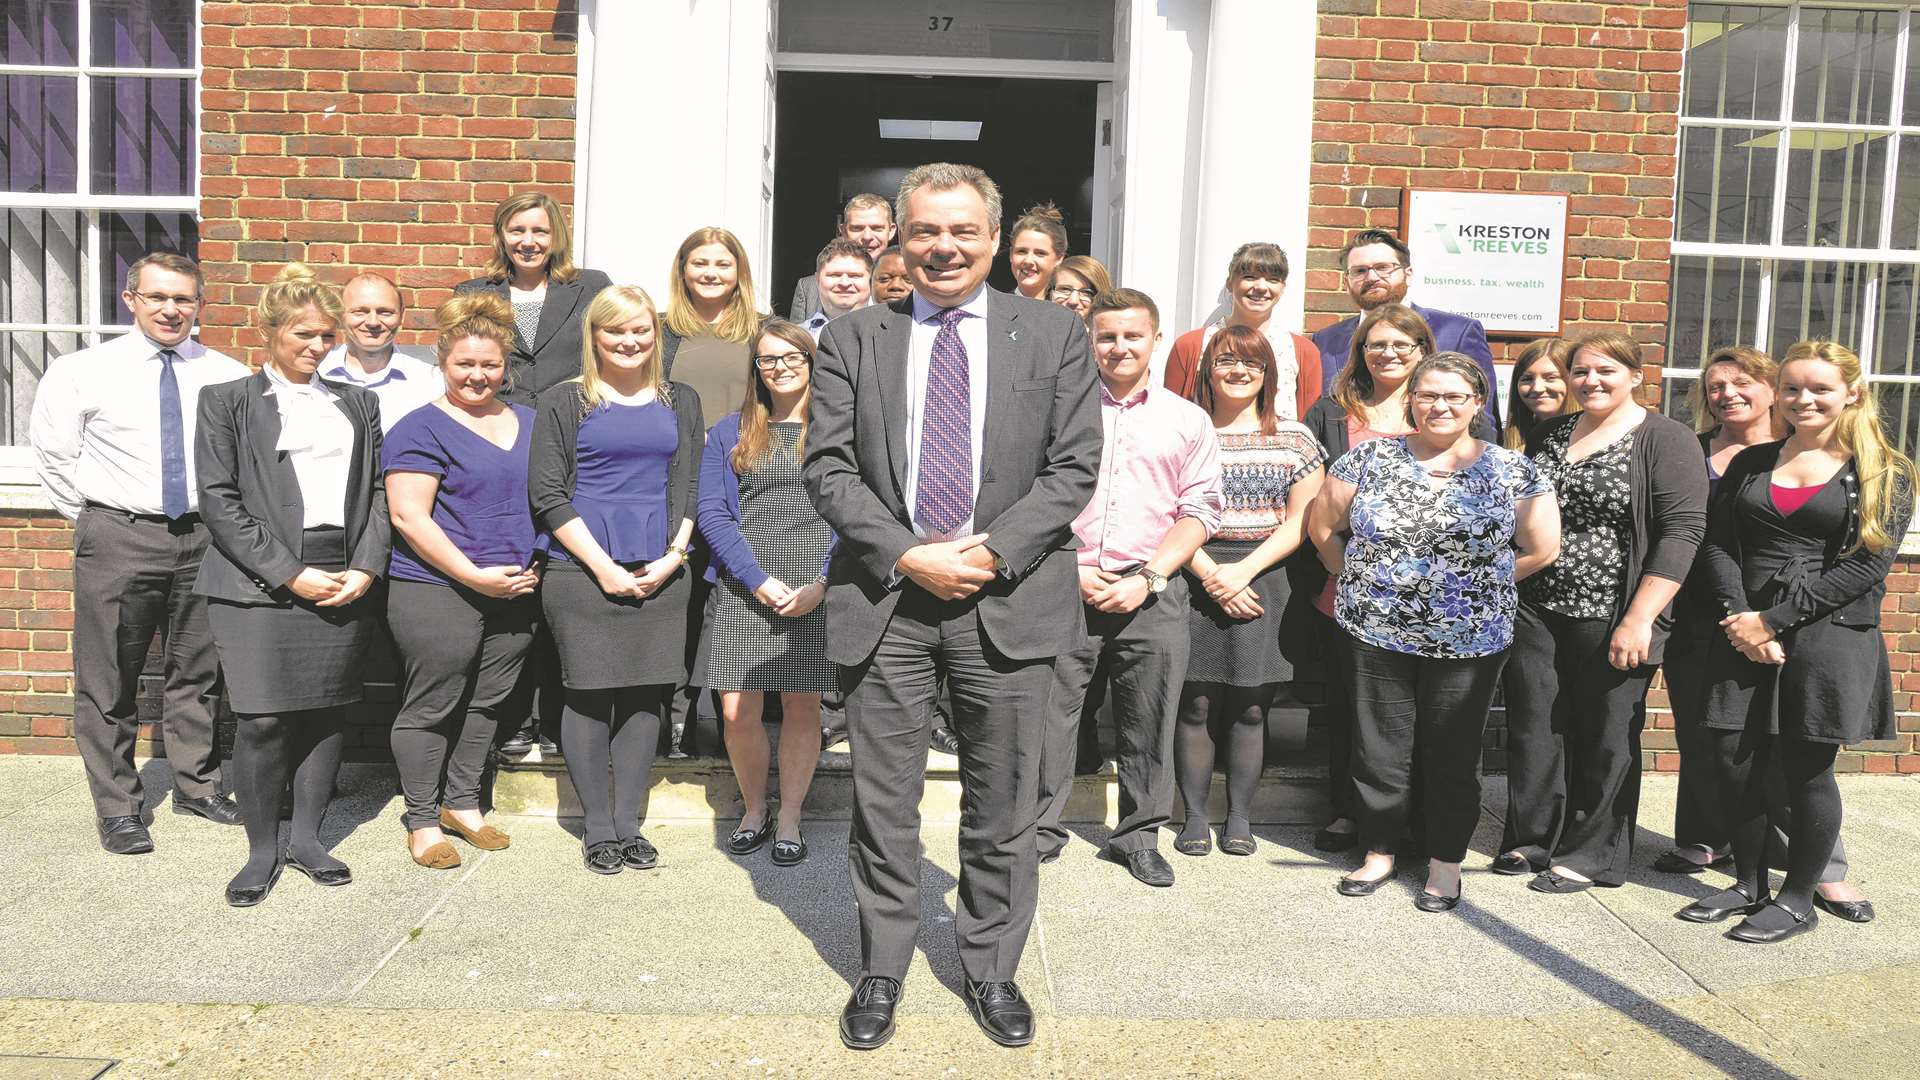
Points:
1429	565
1257	471
1596	526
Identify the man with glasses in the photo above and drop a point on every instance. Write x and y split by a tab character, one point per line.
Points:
112	432
1377	265
867	220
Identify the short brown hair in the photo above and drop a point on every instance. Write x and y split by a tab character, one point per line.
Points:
1244	343
171	261
1369	237
866	200
1757	365
1258	258
1615	345
1123	300
1448	363
841	248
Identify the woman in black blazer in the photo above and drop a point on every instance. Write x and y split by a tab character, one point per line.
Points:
289	472
532	268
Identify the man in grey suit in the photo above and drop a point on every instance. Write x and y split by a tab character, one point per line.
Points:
866	220
954	435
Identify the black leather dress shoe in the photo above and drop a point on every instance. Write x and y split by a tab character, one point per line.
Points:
1707	913
1801	924
1850	910
124	836
867	1021
945	741
1147	866
1001	1012
637	854
1514	864
329	876
250	895
604	857
215	808
1328	840
1348	886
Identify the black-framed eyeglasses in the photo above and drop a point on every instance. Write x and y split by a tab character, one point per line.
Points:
1428	398
1068	292
1248	363
793	360
1397	348
1380	270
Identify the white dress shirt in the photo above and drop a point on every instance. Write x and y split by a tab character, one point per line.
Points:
318	441
411	379
973	337
96	422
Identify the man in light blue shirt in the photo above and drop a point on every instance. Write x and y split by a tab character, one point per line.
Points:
402	378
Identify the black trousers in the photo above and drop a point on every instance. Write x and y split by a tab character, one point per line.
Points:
1573	746
130	578
1338	710
996	701
1145	651
461	655
1419	718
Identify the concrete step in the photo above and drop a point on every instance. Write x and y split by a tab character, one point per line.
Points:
1291	792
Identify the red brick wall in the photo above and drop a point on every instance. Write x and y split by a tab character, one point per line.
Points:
1505	95
373	135
36	633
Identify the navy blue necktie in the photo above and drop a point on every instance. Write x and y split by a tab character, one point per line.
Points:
173	440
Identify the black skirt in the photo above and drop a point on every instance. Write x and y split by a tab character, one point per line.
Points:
1238	652
290	657
606	643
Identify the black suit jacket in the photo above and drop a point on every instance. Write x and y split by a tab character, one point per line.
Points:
1040	455
250	497
553	356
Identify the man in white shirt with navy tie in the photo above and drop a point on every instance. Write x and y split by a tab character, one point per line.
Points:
112	433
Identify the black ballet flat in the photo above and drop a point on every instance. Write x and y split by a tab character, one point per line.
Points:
1801	924
1854	911
1430	902
1672	862
1697	912
1546	881
1514	864
251	895
333	876
1355	887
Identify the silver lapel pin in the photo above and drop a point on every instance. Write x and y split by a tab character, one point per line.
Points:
1013	335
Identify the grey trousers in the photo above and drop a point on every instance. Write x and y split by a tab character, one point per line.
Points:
461	655
131	578
1146	655
889	721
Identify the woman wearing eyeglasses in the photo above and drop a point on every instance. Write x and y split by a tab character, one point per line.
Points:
1593	627
770	555
1076	281
1256	277
1442	525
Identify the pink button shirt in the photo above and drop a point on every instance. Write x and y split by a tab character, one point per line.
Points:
1160	463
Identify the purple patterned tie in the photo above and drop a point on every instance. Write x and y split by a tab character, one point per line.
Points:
943	496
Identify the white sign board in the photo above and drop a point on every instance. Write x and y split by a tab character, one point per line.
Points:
1495	255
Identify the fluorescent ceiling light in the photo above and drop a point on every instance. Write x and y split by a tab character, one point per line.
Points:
933	130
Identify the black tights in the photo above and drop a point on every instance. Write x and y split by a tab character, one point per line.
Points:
612	731
1812	796
266	750
1209	714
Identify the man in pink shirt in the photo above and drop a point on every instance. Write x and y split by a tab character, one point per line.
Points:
1157	499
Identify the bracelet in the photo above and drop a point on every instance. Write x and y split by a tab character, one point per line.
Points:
676	549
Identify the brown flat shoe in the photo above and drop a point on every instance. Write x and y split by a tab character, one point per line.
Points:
486	838
440	856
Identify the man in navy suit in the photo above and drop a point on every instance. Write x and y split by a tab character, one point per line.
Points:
1377	265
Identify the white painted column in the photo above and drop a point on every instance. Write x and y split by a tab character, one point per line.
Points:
1256	137
674	119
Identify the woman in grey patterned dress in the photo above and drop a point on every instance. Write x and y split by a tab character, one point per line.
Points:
769	563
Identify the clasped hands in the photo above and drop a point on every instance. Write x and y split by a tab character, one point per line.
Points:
1231	586
949	569
330	588
1749	633
618	581
788	601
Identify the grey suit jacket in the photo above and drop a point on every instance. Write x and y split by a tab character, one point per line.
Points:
250	497
806	299
553	356
1040	455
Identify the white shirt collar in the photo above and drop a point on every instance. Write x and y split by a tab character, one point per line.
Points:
277	381
975	305
335	367
136	344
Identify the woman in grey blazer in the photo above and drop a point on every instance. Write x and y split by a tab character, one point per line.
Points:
288	467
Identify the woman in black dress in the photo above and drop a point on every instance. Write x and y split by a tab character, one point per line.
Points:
612	475
1803	536
289	472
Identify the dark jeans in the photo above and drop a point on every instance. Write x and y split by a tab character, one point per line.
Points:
1419	717
1573	746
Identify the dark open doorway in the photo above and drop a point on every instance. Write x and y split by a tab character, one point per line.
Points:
1036	140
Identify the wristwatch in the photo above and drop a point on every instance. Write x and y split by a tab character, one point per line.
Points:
1156	581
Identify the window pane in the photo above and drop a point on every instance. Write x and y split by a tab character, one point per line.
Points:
1817	300
39	31
143	142
24	356
1906	194
37	139
1896	347
1834	184
1736	60
1674	391
126	237
1726	184
1716	301
1844	73
40	282
1900	413
143	33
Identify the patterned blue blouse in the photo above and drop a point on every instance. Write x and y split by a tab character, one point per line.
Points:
1429	567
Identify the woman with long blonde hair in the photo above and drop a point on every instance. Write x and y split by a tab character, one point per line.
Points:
612	476
1803	534
770	551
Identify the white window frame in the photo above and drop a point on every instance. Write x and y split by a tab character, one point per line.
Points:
18	485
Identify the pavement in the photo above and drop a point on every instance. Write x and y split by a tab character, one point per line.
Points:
522	964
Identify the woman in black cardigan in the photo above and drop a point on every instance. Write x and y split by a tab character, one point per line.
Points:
612	474
1804	533
1593	626
289	474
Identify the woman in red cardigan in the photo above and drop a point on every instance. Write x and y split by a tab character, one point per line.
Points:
1256	277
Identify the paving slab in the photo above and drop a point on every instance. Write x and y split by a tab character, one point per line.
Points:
33	779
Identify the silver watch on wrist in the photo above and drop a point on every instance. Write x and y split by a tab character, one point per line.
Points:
1156	581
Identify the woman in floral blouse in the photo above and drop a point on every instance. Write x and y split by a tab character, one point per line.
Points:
1442	526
